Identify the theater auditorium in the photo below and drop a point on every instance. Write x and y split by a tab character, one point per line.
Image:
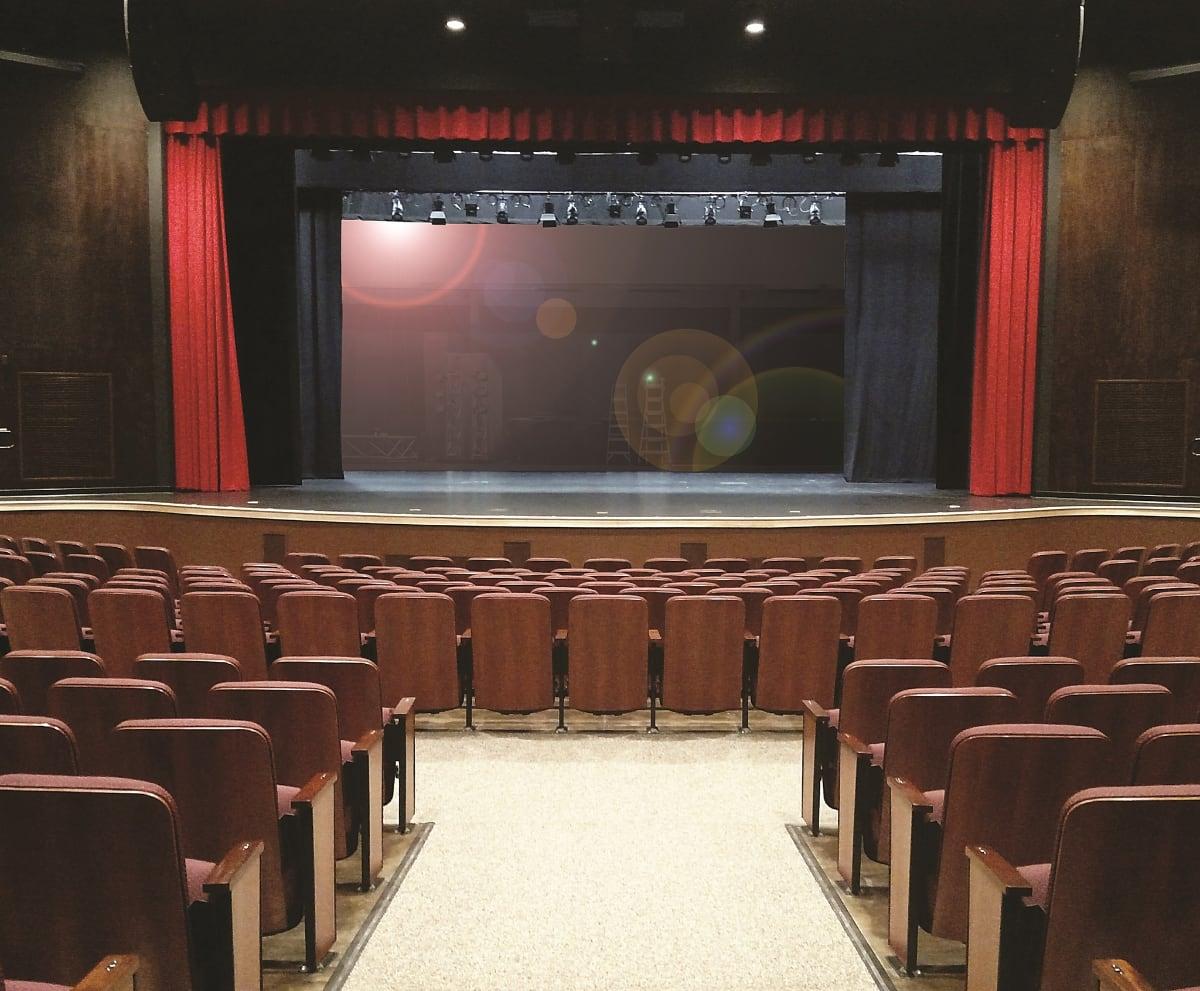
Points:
564	496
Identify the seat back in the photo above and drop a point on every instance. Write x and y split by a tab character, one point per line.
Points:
355	685
1150	592
729	564
365	597
10	698
656	604
607	564
608	640
226	624
1110	897
1004	788
1167	755
115	880
560	603
423	562
1161	566
1031	679
34	671
415	643
849	598
1043	564
869	686
1089	559
158	559
547	564
189	676
126	624
16	569
797	652
93	707
296	560
1179	674
702	654
897	561
669	565
988	626
40	618
42	562
315	624
1118	570
359	561
510	644
1172	625
221	773
116	556
37	745
753	598
91	564
895	625
1120	712
1091	627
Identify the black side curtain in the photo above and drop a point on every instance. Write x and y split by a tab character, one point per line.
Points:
319	329
893	251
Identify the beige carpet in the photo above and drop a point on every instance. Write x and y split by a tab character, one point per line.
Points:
608	861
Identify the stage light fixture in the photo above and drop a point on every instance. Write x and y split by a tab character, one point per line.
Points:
397	207
471	207
814	214
772	218
548	218
502	211
745	208
614	206
455	24
685	157
443	155
572	211
755	26
724	158
889	159
485	155
437	216
670	215
710	212
809	158
639	214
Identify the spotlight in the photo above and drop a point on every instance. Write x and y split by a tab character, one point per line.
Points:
685	157
772	219
455	24
485	155
548	219
639	215
745	209
502	211
647	157
614	206
572	211
437	216
724	158
443	155
710	212
397	207
851	158
814	214
760	158
809	158
755	26
670	216
889	159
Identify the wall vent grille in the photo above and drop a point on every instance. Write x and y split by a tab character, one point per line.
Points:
66	426
1140	436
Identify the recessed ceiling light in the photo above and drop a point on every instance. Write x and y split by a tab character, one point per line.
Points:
458	24
755	26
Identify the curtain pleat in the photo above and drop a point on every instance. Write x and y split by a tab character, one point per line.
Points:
210	436
1007	321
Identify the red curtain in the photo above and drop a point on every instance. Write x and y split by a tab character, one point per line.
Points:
210	436
607	121
1007	321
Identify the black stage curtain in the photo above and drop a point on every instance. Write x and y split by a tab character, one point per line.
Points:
964	174
893	249
319	329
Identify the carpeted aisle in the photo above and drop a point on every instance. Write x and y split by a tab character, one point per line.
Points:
608	861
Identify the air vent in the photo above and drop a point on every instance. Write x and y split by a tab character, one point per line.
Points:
66	426
1140	434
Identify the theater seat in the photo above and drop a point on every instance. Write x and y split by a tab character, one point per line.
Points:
36	745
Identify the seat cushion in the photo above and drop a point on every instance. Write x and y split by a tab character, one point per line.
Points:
283	799
197	874
937	799
387	715
876	750
834	714
1038	876
347	749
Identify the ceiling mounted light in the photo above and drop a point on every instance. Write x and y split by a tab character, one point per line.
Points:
614	206
755	26
670	215
397	207
455	24
639	215
772	218
437	216
548	219
502	211
572	211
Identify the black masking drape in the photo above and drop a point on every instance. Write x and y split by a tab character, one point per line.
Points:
893	248
319	328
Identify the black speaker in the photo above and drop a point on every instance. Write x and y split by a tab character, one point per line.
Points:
1041	92
159	44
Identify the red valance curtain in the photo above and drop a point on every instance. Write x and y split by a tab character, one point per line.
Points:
1007	321
210	436
605	121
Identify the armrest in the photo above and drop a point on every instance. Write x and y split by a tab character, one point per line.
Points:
854	764
233	887
400	756
367	757
560	636
813	761
315	851
368	740
403	708
313	788
854	743
1119	975
816	710
655	636
904	789
910	868
110	974
994	868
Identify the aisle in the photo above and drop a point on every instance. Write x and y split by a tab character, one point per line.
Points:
608	861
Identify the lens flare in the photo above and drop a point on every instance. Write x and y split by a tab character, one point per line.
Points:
725	426
556	318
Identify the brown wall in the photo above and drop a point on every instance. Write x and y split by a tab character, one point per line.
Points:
1125	282
75	249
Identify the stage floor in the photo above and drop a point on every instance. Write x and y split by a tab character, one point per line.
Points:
609	497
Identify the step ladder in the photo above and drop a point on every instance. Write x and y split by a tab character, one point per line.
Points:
618	429
654	445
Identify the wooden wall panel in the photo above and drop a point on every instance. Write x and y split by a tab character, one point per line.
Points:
1127	302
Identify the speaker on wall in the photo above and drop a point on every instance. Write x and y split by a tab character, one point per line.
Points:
159	44
1041	92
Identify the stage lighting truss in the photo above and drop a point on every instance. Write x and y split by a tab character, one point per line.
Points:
571	208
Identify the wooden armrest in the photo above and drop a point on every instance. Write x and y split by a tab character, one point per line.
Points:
313	787
367	756
241	858
110	974
1119	975
855	744
999	871
905	789
560	636
816	710
403	708
314	809
655	636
